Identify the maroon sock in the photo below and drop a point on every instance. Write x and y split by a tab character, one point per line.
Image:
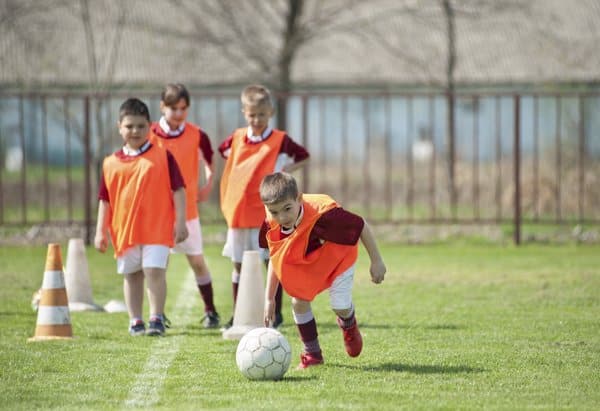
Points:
278	298
309	336
206	291
234	287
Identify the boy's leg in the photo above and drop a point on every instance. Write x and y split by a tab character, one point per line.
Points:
130	265
133	290
340	294
156	283
204	283
307	328
154	262
193	248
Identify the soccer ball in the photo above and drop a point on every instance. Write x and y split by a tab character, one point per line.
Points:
263	354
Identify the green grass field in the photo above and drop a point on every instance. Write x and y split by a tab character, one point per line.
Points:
453	326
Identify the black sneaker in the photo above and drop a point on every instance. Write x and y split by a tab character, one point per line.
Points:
210	319
278	320
137	329
157	325
228	324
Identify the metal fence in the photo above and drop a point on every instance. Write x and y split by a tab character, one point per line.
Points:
509	158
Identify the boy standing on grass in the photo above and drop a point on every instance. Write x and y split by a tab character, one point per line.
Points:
142	208
190	146
251	153
313	246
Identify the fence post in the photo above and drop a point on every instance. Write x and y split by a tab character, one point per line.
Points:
87	176
517	170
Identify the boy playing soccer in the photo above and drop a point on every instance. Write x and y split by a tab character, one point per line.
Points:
190	146
142	208
251	153
313	246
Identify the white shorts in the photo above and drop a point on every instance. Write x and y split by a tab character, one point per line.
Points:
143	256
192	245
340	292
240	240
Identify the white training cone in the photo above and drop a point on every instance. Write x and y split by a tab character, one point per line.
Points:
53	320
77	278
249	307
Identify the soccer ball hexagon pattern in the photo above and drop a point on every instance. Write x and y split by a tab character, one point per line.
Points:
263	354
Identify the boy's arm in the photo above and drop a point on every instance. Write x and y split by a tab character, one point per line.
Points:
295	166
204	191
181	232
377	268
270	291
101	238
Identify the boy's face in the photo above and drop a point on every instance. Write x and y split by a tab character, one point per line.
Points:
258	117
286	212
175	114
134	130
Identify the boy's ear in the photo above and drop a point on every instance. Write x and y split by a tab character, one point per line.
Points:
299	199
162	106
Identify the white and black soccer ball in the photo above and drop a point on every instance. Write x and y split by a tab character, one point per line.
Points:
263	354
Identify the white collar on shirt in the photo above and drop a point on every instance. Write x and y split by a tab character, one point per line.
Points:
167	129
296	224
132	153
258	139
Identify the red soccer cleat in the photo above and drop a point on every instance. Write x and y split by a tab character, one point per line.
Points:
352	339
309	359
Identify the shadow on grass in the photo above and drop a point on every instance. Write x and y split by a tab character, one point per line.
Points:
370	326
414	368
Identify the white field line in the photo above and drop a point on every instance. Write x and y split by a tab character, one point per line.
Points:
145	391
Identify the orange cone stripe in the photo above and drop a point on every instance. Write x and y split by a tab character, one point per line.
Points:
53	315
54	296
53	331
53	258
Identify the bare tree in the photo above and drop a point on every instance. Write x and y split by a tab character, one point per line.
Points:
263	38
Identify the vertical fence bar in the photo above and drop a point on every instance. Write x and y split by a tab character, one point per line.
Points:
388	158
409	159
517	169
558	157
432	161
475	175
536	160
68	159
498	144
322	141
366	164
45	160
87	163
581	162
451	153
305	173
24	160
2	167
344	150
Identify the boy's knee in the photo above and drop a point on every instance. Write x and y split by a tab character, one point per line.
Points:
300	306
343	312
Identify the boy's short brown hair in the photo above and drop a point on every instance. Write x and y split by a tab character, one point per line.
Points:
256	95
173	92
133	107
278	187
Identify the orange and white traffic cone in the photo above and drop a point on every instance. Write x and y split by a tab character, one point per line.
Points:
53	320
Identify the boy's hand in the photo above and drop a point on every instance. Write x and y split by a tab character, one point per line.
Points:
203	194
377	270
100	242
181	232
269	312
